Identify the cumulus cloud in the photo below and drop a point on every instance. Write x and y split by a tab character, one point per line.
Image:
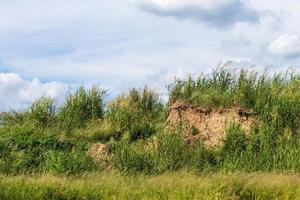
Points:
220	13
17	92
286	46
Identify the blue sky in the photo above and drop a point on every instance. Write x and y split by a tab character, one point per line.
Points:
50	46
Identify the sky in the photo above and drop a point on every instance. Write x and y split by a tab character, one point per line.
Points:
50	47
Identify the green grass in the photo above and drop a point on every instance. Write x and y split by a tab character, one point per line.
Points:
50	138
146	161
179	185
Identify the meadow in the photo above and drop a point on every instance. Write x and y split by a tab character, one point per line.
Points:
44	149
175	185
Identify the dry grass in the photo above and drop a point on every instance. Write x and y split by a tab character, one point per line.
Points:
179	185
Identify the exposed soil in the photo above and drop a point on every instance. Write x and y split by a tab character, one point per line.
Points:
99	152
196	123
207	125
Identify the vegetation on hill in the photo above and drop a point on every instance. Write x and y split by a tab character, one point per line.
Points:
47	138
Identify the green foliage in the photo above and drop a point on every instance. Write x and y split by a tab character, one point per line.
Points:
262	93
46	138
80	107
131	159
138	113
41	114
172	152
13	118
24	151
263	149
179	185
67	162
236	141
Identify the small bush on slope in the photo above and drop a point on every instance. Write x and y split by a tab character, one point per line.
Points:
41	114
137	114
25	151
80	107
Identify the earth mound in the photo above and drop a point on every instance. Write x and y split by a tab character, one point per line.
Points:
207	125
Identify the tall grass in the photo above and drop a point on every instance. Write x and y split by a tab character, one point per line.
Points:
82	106
41	114
179	185
50	138
137	114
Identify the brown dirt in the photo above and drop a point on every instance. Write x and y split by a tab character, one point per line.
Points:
99	152
207	125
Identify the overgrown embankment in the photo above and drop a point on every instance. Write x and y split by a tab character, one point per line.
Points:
207	125
255	116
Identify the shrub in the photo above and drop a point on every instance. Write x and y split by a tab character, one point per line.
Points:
63	162
235	141
131	159
13	118
138	113
172	152
95	131
25	151
82	106
42	112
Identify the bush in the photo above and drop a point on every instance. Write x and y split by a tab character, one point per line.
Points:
42	112
172	152
95	131
25	151
82	106
63	162
235	141
13	118
130	159
138	113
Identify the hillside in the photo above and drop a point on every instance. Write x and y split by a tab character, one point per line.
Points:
224	122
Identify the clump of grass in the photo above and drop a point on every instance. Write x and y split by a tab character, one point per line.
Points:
67	162
263	150
25	151
82	106
41	114
137	114
132	159
172	152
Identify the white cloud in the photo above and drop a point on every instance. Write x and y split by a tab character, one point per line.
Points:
220	13
286	46
118	46
17	92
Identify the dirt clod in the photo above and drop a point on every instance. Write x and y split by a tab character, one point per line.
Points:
99	152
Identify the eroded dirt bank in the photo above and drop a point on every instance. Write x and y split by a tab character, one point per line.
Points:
207	125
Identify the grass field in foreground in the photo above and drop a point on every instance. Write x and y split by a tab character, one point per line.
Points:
179	185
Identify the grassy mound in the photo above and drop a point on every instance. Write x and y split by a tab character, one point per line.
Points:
47	138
